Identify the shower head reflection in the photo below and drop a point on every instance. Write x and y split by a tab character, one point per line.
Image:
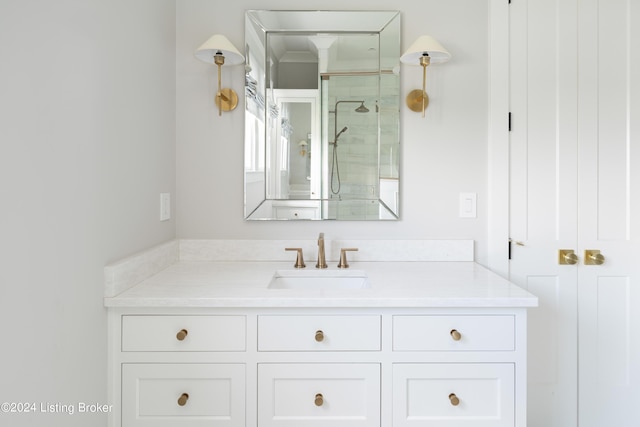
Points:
362	108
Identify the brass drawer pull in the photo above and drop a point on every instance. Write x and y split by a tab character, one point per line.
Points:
319	337
319	400
455	335
182	400
182	334
454	399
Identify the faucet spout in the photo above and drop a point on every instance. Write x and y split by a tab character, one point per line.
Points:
322	260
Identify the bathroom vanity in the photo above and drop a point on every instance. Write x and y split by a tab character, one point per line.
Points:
217	343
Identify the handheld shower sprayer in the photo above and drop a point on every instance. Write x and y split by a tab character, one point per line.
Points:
344	129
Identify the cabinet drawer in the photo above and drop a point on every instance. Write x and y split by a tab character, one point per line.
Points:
183	333
319	333
296	212
453	395
200	394
319	394
453	333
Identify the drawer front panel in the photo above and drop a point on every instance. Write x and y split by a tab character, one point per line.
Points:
319	333
200	394
319	394
453	395
183	333
296	212
453	333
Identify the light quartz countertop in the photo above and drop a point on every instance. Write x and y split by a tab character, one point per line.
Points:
185	284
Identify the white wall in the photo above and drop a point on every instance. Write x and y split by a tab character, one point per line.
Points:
100	98
443	154
87	143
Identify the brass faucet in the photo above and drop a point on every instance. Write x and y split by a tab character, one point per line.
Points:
322	260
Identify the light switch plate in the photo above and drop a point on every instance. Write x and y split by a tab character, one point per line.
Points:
468	205
165	206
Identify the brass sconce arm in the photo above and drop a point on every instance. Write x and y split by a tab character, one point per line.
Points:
424	51
218	50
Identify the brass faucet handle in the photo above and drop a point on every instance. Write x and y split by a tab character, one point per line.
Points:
343	257
299	257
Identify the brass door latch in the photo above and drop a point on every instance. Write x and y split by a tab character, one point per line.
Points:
593	257
567	257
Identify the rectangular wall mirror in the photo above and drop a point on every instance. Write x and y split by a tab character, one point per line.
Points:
322	115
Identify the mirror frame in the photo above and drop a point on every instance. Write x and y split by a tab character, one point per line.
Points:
259	24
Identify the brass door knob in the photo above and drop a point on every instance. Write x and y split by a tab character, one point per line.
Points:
182	400
593	257
182	334
319	336
454	399
319	400
455	335
567	257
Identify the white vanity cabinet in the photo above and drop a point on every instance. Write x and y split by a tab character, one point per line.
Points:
183	333
319	394
335	386
166	375
479	389
319	333
318	367
196	394
453	394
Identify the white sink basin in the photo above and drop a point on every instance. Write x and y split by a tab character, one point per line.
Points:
319	279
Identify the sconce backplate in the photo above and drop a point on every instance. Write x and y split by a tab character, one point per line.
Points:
227	99
414	100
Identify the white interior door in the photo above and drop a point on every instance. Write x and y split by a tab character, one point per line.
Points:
543	199
574	98
609	213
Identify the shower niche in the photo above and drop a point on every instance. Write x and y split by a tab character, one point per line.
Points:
322	115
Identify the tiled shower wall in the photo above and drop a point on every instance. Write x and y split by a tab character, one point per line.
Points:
361	160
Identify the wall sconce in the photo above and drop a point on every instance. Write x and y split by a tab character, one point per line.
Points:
424	51
303	147
219	50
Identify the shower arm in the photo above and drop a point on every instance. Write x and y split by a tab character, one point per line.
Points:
335	118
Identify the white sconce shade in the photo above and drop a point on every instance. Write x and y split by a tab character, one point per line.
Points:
425	45
219	44
424	51
220	51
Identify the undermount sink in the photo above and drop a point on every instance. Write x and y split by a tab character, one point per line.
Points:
319	279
